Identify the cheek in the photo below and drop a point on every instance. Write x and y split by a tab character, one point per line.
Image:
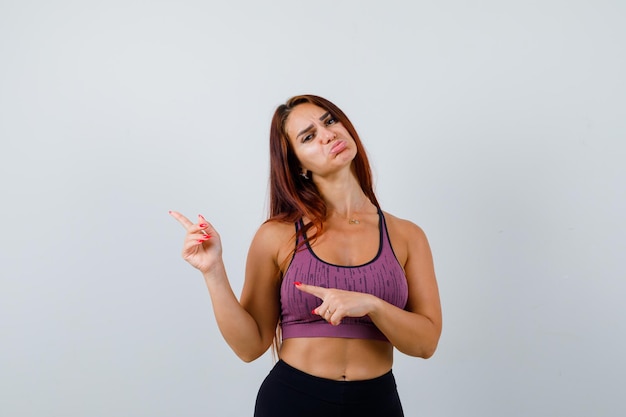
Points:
305	156
300	154
342	131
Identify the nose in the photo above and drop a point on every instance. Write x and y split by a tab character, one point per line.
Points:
328	135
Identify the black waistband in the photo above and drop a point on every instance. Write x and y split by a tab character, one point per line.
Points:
332	390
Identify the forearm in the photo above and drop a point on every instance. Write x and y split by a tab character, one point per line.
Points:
237	325
411	333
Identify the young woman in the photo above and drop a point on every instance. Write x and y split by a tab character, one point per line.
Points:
335	282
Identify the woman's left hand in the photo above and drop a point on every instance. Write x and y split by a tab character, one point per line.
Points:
337	304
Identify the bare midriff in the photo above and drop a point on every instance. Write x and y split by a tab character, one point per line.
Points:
338	359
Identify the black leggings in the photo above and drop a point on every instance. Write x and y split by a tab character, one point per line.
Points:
289	392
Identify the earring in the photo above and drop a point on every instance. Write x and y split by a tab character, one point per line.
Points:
304	175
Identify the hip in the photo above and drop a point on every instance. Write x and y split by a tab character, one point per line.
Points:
288	391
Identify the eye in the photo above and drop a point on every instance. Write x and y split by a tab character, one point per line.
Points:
330	121
307	137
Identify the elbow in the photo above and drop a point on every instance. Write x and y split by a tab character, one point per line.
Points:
248	356
429	348
421	352
429	344
428	353
424	350
247	359
250	353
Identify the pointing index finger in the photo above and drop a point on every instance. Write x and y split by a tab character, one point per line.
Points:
319	292
184	221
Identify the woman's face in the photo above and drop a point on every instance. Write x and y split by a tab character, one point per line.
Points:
321	143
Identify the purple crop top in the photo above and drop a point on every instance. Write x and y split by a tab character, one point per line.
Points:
383	277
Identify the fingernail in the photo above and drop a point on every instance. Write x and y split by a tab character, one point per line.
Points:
200	240
201	216
297	283
313	311
203	225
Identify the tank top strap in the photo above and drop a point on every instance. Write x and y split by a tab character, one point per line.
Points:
385	239
299	225
383	228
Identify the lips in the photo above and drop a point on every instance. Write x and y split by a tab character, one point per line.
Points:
338	147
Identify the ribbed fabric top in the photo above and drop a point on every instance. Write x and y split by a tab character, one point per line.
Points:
382	277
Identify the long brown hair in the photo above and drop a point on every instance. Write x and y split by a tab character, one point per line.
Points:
293	196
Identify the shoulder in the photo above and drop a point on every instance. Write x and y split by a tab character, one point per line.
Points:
406	237
274	239
274	229
403	228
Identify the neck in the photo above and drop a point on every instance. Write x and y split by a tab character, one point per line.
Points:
348	204
344	197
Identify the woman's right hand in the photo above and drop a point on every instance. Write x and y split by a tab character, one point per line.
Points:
202	247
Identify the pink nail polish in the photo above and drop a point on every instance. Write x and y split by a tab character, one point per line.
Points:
203	225
297	283
313	311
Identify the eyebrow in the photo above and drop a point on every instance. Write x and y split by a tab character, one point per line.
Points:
306	129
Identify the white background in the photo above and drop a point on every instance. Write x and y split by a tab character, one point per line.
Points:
497	126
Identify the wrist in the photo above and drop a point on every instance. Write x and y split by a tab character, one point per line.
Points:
376	306
214	270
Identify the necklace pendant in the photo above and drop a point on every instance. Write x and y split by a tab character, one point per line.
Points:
353	221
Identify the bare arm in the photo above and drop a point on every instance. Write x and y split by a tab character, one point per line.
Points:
416	330
247	326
